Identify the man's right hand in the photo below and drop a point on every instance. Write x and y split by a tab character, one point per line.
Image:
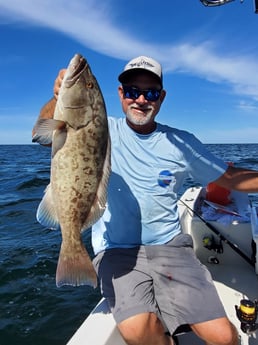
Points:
58	82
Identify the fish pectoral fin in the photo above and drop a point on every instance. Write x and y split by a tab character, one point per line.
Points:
75	267
95	213
46	214
44	130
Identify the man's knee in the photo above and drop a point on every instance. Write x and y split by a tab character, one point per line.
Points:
228	337
144	328
219	331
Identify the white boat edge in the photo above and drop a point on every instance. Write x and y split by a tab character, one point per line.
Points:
234	278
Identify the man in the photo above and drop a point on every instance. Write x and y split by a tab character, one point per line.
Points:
146	267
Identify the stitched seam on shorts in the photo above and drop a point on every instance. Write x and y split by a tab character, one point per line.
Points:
125	314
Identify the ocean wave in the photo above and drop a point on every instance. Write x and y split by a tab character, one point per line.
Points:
33	182
250	161
14	200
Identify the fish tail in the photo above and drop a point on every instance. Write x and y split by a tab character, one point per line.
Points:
75	268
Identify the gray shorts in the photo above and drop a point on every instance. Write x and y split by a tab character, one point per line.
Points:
165	279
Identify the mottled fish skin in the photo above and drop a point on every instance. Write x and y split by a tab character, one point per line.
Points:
80	168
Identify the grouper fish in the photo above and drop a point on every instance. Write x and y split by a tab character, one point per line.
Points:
80	167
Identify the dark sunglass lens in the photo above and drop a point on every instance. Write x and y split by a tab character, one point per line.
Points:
131	92
152	95
134	93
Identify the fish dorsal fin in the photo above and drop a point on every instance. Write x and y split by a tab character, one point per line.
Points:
46	214
99	205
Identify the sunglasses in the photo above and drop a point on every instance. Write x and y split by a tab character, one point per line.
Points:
151	95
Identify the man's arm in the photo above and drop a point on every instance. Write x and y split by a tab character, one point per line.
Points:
242	180
46	112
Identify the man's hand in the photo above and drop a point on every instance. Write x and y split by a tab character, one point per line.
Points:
58	82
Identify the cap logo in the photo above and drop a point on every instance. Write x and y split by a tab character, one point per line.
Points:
141	63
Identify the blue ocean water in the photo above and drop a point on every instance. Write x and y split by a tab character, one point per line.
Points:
32	309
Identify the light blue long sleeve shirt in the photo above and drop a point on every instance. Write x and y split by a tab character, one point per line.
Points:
147	173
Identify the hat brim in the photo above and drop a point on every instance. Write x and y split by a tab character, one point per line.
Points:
126	75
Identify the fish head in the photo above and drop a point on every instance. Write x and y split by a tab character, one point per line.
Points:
80	96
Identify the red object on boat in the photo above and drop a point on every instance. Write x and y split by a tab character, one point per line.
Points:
217	194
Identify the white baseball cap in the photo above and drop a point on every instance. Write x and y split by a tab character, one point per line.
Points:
141	63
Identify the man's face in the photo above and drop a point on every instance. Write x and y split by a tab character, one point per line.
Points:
141	112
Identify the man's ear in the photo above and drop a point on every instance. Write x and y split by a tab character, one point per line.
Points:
120	92
162	95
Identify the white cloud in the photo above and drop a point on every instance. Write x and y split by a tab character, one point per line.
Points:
93	24
248	107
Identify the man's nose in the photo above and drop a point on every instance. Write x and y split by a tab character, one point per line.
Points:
141	99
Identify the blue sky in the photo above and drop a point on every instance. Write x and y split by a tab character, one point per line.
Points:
209	57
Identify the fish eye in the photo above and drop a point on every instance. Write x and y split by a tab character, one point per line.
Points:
89	85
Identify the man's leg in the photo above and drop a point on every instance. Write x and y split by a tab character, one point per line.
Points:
217	332
144	329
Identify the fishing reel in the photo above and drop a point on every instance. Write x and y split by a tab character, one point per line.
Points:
247	315
210	243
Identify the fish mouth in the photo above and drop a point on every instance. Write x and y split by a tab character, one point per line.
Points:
76	68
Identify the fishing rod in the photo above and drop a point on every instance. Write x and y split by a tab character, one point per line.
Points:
221	237
213	3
